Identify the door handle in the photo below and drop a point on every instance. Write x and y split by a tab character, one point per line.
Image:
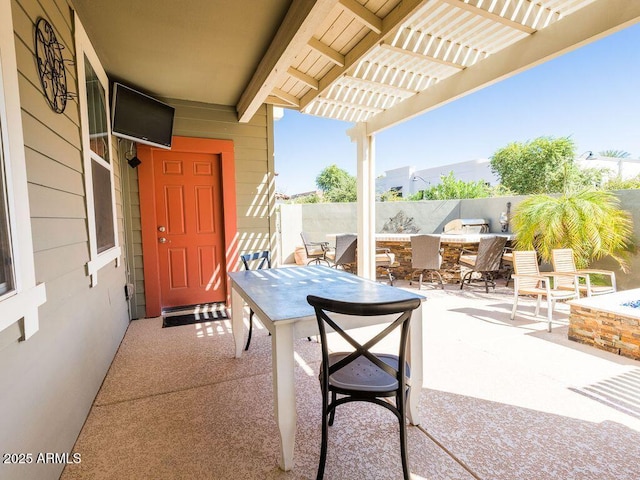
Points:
162	240
162	229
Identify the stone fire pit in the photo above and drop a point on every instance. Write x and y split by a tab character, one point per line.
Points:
610	322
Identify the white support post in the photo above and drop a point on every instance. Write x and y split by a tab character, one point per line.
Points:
366	201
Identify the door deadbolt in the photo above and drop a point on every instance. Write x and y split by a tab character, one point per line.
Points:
162	240
162	229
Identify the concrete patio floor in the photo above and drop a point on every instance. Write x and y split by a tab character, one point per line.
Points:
502	400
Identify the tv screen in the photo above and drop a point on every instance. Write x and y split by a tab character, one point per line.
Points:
141	118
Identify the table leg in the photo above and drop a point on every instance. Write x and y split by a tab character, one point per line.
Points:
416	355
237	323
284	394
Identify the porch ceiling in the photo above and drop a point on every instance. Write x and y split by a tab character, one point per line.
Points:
374	61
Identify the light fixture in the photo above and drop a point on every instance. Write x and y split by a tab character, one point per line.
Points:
418	177
134	162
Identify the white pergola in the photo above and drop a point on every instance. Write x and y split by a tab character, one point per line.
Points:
380	62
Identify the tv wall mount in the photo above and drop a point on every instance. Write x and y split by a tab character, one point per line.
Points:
51	66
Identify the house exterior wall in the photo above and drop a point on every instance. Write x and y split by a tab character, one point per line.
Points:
49	381
255	191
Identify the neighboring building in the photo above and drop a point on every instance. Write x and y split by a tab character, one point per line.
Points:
407	180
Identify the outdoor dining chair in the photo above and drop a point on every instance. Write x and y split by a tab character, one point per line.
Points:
316	251
528	280
563	260
362	375
426	256
344	254
485	262
255	261
385	260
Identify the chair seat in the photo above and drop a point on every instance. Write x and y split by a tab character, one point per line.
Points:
469	260
363	375
386	259
555	294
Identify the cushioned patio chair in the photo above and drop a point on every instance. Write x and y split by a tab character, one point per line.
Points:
426	256
316	251
344	254
528	280
362	375
563	260
486	261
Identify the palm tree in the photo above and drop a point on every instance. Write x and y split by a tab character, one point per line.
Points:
614	154
589	221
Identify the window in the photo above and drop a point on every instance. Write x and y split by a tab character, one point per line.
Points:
98	161
20	297
6	256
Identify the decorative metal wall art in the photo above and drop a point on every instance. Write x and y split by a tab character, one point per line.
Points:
51	69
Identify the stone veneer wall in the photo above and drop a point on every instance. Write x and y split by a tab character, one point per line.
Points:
611	332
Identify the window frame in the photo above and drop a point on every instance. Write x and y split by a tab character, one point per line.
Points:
21	303
97	260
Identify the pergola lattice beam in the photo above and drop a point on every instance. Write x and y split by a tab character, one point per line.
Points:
586	25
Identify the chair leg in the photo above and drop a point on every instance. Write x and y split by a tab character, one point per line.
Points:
402	419
549	313
246	347
515	304
325	436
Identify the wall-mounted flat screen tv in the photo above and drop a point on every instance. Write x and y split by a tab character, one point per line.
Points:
141	118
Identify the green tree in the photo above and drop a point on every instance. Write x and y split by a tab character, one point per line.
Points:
537	166
337	185
589	221
618	183
451	188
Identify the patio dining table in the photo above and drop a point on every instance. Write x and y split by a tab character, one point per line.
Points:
279	299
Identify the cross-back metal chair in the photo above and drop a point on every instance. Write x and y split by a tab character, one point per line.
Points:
426	256
563	260
528	280
485	262
255	261
362	375
344	255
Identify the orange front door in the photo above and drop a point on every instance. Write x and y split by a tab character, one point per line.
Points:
189	228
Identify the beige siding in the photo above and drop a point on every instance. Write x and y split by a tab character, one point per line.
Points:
253	151
54	376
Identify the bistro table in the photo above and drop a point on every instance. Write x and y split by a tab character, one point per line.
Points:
279	298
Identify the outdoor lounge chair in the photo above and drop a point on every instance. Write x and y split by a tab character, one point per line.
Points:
344	255
562	260
529	281
362	375
426	256
485	262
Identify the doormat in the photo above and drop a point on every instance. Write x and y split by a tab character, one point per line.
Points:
211	312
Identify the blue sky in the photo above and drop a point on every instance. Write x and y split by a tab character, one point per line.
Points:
591	94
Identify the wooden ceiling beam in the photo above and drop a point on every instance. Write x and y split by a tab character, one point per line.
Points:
326	51
300	23
363	15
401	13
308	80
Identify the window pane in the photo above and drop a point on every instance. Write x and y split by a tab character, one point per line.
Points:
103	207
6	263
96	98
